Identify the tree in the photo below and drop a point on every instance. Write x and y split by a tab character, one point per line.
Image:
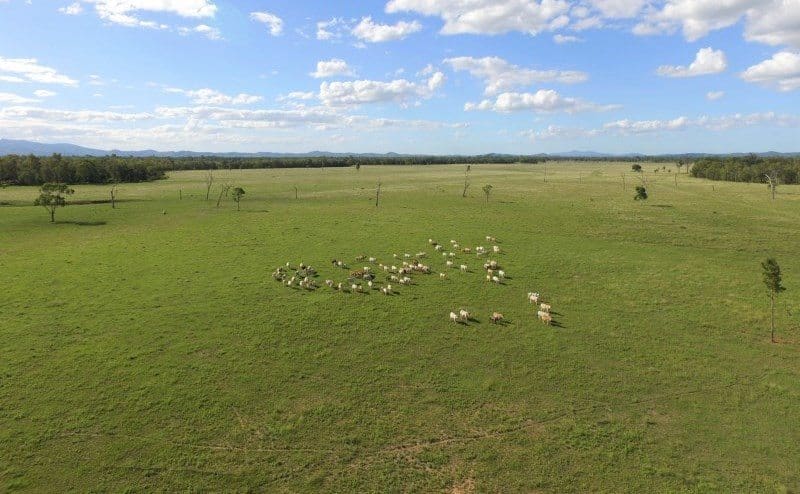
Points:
636	167
680	165
378	194
487	189
466	181
641	193
52	196
209	179
772	279
223	192
772	180
113	196
238	192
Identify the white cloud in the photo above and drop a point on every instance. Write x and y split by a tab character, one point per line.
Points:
369	31
15	99
619	8
334	67
776	23
19	112
707	61
72	9
782	71
354	93
211	97
125	12
44	93
640	127
773	22
12	79
489	16
498	75
542	101
715	95
272	21
29	70
209	32
563	39
332	29
298	95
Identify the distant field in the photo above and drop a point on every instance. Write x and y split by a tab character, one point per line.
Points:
142	351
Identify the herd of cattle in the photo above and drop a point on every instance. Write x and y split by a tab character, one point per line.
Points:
368	278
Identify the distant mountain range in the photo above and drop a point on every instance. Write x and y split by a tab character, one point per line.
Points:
10	146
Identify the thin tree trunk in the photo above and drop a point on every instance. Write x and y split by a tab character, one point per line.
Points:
378	195
52	216
772	304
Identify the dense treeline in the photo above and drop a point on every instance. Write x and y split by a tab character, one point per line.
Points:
750	168
35	170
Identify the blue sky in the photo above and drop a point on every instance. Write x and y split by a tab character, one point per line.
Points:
414	76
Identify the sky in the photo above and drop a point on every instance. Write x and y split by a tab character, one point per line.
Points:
406	76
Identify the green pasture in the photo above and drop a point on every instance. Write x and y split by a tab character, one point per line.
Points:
147	348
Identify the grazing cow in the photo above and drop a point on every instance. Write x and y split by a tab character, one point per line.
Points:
545	307
533	297
501	273
496	249
464	315
442	275
546	318
495	279
449	264
463	268
454	317
496	317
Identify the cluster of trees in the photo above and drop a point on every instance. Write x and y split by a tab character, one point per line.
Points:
35	170
751	168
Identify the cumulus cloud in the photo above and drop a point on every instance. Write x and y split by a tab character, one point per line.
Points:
29	70
542	101
489	16
619	9
782	71
707	61
355	93
715	95
776	23
208	96
498	75
334	67
72	9
21	112
272	21
372	32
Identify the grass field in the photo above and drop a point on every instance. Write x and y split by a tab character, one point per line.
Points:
142	351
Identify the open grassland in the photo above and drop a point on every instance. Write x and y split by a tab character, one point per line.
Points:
144	351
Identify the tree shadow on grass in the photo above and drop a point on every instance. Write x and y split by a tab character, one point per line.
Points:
665	206
81	223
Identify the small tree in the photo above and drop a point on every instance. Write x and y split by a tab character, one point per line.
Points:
636	167
773	281
238	192
680	165
466	181
487	189
358	166
641	193
113	196
772	182
209	179
223	192
378	194
52	196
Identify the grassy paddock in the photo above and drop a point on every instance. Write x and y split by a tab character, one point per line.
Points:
146	351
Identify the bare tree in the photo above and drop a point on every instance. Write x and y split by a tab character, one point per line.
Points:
466	181
378	194
209	179
113	196
772	179
223	192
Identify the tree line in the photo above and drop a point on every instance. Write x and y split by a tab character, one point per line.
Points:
36	170
750	168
